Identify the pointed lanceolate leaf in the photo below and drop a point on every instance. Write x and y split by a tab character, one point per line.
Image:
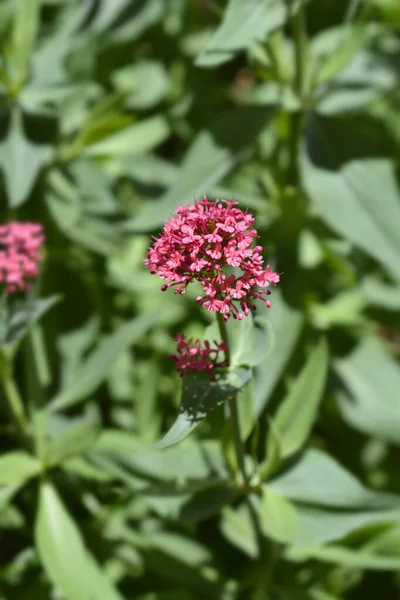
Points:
200	396
344	180
95	368
372	378
20	160
25	314
68	564
285	323
249	340
278	516
296	415
17	467
243	24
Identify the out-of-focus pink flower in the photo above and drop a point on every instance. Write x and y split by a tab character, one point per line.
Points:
20	245
204	242
193	357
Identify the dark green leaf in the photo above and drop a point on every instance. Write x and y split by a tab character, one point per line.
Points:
200	396
212	155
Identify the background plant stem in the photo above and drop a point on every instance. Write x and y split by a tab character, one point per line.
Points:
300	41
233	410
15	405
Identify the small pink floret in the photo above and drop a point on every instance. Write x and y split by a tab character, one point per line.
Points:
192	357
203	242
20	253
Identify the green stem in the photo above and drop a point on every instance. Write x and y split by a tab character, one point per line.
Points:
233	409
300	47
16	406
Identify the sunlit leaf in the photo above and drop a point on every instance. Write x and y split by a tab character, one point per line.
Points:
67	562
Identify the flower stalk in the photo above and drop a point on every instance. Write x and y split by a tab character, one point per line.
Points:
13	398
233	409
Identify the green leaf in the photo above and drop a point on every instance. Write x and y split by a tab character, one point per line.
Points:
146	83
238	527
296	415
381	294
321	526
191	461
200	396
17	467
207	503
334	48
94	370
349	558
319	479
372	379
278	516
344	180
68	564
286	324
243	24
249	340
75	440
23	38
18	154
23	315
140	137
212	155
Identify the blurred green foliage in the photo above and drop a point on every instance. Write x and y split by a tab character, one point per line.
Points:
112	113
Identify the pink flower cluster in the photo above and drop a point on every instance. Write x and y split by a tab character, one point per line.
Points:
20	245
208	242
193	357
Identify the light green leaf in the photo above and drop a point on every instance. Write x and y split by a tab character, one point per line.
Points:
249	340
372	378
212	155
344	309
191	460
146	83
296	415
200	396
23	38
349	558
140	137
344	180
286	323
75	440
278	516
19	155
321	526
17	467
243	24
237	526
381	294
319	479
334	48
94	370
68	564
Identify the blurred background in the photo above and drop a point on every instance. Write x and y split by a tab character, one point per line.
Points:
112	113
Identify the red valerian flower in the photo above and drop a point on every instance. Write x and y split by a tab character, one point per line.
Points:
20	245
193	357
205	242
